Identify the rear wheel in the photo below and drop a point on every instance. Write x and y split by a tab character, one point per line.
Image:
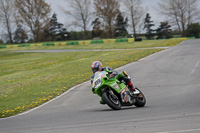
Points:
140	99
111	100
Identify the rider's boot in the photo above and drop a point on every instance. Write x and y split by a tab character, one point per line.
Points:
102	102
130	85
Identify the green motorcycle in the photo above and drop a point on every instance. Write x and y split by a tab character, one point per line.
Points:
115	93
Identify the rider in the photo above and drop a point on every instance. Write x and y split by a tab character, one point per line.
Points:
97	66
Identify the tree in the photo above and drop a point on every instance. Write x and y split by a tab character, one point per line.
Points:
78	35
56	30
135	12
20	35
147	25
163	32
35	15
6	16
80	10
96	31
193	30
180	12
1	41
121	25
107	10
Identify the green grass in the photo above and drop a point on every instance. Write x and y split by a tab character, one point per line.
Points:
30	79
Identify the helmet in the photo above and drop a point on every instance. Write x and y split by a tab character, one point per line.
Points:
96	66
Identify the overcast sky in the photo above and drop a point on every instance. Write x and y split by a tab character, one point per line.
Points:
57	6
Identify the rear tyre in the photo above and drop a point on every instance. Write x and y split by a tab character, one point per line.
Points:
111	101
140	99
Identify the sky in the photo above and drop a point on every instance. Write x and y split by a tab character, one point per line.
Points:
58	6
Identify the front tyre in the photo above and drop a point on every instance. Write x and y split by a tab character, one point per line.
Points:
111	100
140	99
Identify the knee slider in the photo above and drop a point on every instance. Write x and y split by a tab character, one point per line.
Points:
125	74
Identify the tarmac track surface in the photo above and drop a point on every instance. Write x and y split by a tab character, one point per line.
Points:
169	79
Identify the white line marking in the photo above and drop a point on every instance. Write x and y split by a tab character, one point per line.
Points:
196	65
180	131
193	70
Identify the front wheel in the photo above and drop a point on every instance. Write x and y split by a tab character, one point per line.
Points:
111	100
140	99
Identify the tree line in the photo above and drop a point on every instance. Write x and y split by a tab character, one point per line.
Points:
31	20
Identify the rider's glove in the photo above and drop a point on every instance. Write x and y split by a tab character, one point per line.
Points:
112	75
93	90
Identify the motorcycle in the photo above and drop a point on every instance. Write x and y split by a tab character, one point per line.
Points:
115	93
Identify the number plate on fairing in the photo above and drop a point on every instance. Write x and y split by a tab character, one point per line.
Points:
97	83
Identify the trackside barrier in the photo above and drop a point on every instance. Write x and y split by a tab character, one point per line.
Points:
37	44
122	40
191	37
24	45
48	44
109	41
11	46
96	41
72	43
84	42
131	39
2	47
60	43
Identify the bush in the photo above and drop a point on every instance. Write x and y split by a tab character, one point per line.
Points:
193	30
